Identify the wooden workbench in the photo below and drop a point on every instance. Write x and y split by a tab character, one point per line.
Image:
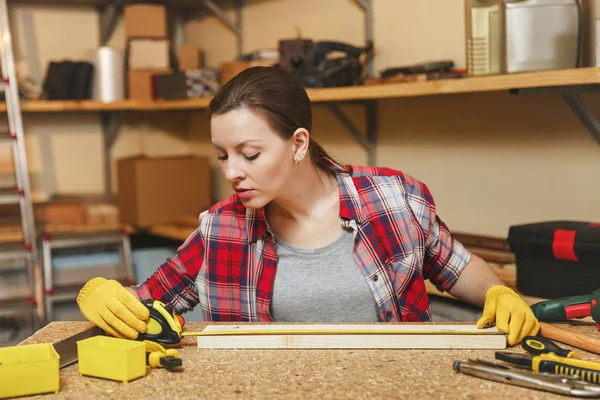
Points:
296	374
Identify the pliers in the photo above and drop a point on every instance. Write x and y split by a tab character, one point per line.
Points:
565	385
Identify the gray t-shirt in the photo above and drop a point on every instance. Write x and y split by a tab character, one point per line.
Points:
321	285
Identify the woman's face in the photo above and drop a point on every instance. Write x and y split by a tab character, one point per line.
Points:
254	158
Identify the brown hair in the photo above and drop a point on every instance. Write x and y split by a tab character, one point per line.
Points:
280	99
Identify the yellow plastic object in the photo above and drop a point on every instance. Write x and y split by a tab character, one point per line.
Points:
111	358
29	369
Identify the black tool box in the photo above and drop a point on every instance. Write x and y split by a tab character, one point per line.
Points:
556	258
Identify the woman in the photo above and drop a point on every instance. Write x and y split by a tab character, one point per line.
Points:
304	239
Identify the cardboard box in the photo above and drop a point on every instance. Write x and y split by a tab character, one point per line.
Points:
148	54
145	20
189	57
141	85
102	214
231	69
61	212
162	189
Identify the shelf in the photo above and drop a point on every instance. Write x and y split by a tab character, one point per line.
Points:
92	2
566	77
57	106
558	78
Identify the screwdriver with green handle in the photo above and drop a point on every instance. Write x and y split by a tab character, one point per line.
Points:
567	308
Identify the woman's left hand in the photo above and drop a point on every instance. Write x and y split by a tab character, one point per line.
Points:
510	313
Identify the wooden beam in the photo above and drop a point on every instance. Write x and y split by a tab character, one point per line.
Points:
350	336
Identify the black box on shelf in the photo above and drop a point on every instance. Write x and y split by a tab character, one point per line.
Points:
186	84
556	258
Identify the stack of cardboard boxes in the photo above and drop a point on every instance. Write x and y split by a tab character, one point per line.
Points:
148	48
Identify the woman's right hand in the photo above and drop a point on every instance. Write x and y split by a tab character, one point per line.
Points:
113	308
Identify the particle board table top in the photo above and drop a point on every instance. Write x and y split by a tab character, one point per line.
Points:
297	374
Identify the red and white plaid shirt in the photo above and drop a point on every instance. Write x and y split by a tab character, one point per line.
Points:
228	264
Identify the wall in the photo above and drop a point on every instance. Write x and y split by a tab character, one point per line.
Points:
65	151
491	160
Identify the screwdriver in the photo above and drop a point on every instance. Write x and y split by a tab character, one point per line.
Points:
549	362
539	345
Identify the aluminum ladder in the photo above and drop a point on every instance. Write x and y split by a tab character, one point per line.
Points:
21	256
59	287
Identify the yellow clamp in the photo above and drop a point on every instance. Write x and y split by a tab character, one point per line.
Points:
157	352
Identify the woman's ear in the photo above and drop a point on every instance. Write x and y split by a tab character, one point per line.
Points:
300	140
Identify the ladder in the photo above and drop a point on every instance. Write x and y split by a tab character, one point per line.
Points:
21	255
59	289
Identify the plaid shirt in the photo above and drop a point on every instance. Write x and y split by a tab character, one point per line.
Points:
228	264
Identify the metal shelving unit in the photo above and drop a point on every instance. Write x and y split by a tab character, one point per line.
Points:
568	83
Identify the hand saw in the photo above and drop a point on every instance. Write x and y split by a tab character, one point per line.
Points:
67	348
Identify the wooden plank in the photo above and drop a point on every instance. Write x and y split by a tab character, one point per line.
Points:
351	336
580	340
93	2
187	104
11	234
52	106
566	77
433	291
482	241
179	230
56	229
490	255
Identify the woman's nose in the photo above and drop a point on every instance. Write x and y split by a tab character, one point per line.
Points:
233	172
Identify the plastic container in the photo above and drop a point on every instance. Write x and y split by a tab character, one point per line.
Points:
112	358
29	369
556	258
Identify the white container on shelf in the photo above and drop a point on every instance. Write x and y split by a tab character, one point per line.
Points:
109	72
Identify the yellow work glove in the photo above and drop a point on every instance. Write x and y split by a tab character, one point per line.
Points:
510	312
113	308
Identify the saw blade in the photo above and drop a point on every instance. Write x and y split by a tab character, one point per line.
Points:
67	348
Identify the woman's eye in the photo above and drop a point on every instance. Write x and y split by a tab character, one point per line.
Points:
252	158
222	157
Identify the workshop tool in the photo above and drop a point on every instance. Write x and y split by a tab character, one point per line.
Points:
165	327
551	363
67	348
567	308
565	385
538	345
575	339
157	356
308	61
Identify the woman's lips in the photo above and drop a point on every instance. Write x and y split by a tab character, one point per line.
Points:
244	193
